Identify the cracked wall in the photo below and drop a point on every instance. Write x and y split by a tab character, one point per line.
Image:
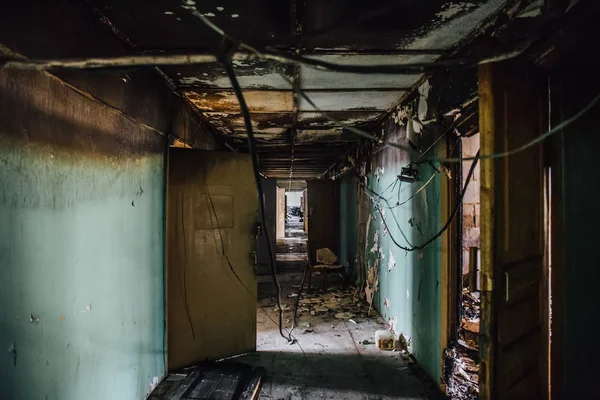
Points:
409	281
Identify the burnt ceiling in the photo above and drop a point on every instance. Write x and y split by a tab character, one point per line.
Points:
295	141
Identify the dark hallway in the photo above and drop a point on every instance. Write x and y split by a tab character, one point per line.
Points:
299	200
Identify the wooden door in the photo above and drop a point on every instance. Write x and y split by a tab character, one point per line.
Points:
270	197
281	213
211	234
323	214
514	345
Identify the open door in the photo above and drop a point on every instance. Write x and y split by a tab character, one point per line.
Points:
323	214
514	342
281	213
211	235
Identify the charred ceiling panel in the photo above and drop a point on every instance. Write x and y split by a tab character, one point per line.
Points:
386	25
251	75
359	100
259	101
167	25
318	79
286	125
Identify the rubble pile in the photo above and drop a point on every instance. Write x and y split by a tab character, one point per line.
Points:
461	359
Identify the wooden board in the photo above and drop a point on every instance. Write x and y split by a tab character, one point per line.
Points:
211	235
281	213
323	214
214	381
514	344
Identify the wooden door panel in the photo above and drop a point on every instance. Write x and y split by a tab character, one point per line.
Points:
211	234
512	234
323	213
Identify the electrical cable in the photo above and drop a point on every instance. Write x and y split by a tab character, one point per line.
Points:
388	206
389	69
295	340
445	227
418	190
255	166
297	302
408	68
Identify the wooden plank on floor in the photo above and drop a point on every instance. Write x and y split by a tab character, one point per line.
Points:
253	384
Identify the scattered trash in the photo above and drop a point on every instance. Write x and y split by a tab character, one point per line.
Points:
385	340
351	320
334	302
461	368
401	344
366	342
386	302
285	308
304	324
309	330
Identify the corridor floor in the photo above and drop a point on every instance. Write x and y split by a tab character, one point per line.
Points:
332	358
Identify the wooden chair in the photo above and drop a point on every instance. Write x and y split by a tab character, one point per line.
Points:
314	266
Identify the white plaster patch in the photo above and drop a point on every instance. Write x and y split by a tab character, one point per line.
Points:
375	247
386	302
449	10
220	8
381	253
190	2
154	383
393	323
240	63
391	261
209	14
235	15
378	172
407	294
417	125
169	13
189	80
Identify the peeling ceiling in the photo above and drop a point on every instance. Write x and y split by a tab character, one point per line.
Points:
340	31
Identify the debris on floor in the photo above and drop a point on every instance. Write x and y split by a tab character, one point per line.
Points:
461	359
335	303
219	380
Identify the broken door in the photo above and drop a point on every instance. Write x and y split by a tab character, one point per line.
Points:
211	231
514	344
323	214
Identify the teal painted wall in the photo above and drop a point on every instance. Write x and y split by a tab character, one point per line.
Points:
412	286
81	246
348	224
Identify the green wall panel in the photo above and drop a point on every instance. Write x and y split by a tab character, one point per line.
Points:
412	285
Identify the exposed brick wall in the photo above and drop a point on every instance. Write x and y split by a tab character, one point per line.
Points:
471	213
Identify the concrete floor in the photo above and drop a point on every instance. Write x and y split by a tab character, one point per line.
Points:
329	359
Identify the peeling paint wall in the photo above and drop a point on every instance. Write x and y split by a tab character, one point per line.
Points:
81	245
409	282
